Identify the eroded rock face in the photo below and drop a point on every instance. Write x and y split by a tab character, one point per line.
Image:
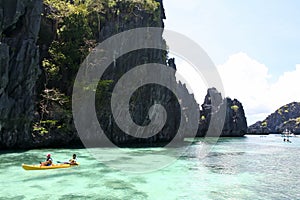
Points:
235	121
19	69
20	22
292	125
235	124
258	128
147	95
286	117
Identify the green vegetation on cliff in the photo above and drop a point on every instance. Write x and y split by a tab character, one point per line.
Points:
77	27
286	117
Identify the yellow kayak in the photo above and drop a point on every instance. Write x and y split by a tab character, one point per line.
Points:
39	167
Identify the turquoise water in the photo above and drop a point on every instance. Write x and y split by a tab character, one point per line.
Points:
252	167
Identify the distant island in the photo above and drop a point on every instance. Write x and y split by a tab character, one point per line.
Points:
285	118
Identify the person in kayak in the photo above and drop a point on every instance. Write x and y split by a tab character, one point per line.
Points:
48	161
73	160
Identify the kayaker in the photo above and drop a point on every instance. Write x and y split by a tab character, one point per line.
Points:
48	161
73	160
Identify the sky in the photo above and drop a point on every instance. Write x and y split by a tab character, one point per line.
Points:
254	44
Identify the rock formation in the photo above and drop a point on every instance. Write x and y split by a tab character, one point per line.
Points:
235	124
35	106
258	128
286	117
19	69
235	121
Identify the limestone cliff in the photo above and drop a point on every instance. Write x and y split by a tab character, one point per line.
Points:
29	119
235	124
41	50
286	117
19	69
147	95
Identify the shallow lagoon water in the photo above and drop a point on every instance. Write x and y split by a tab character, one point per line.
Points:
253	167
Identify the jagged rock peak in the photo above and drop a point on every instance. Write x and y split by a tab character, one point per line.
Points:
235	124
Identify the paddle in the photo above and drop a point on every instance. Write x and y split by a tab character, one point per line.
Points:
66	163
63	162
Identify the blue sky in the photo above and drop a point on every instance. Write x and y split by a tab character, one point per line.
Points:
246	36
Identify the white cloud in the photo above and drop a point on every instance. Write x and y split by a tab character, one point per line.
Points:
286	89
193	80
249	81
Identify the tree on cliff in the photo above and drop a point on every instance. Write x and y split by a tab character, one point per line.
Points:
78	27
